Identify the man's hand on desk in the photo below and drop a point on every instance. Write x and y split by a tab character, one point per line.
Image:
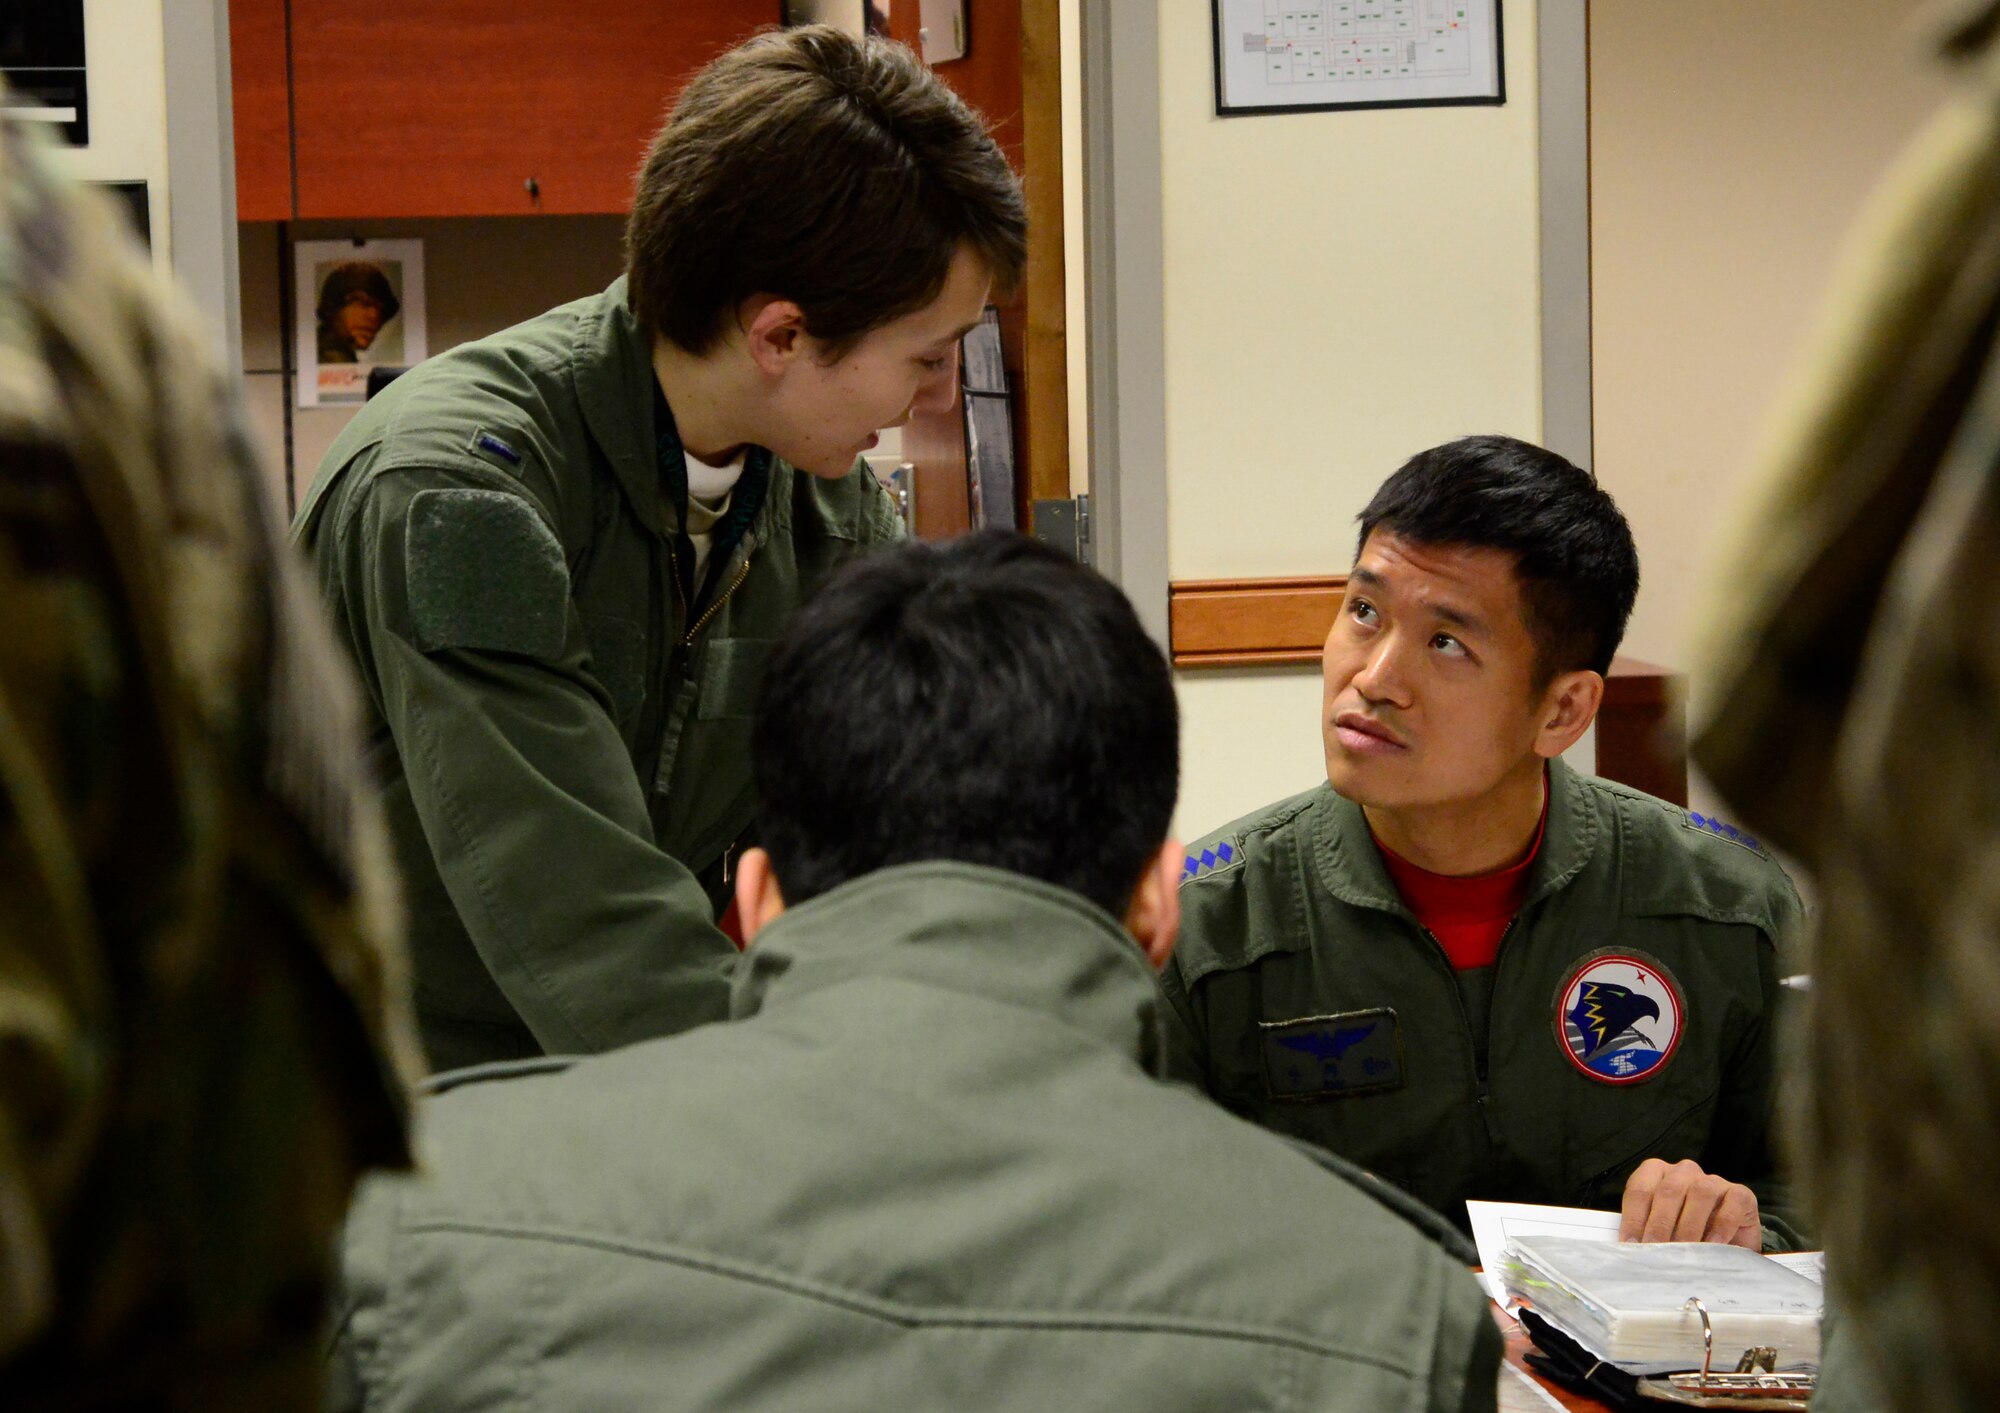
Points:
1680	1202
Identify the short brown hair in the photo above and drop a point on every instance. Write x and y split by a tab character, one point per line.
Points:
835	172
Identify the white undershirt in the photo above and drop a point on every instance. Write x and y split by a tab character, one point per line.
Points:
709	490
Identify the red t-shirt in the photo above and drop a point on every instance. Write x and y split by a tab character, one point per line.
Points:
1468	916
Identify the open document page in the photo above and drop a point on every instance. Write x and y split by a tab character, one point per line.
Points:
1494	1224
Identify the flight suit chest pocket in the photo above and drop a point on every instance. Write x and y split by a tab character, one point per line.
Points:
1341	1079
732	673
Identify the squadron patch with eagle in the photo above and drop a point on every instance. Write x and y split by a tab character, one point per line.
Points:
1619	1016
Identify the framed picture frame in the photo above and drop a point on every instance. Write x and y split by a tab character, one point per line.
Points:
360	307
43	73
1291	56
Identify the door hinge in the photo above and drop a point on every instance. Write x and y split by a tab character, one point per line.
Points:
1065	525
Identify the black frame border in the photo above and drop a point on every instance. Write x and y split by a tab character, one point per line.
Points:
1495	100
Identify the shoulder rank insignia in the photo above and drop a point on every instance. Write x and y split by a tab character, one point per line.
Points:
1723	831
483	440
1209	860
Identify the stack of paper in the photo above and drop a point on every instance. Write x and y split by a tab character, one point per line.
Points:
1627	1303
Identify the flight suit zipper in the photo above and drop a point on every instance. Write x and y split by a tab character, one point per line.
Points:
742	573
680	661
1483	1130
1482	1057
674	568
1479	1054
1464	1016
680	599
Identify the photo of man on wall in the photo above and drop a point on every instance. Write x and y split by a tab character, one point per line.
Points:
361	306
356	300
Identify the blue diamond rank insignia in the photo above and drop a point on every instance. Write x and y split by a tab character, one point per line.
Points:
1318	1057
1619	1017
1209	860
1710	824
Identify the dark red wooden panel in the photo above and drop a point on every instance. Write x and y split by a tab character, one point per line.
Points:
263	126
451	107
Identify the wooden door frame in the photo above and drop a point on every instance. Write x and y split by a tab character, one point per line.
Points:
1024	105
1045	344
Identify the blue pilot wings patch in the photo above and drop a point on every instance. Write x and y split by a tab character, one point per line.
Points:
1317	1057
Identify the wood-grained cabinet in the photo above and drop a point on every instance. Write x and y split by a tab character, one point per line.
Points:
460	107
263	122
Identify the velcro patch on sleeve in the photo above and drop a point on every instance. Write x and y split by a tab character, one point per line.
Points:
485	573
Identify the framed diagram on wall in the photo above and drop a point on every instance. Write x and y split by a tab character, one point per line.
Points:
1287	56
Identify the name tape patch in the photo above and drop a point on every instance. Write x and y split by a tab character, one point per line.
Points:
1315	1057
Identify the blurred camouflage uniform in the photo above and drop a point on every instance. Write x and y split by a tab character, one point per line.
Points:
1854	718
196	992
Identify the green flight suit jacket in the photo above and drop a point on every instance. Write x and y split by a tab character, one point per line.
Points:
926	1168
1307	998
564	745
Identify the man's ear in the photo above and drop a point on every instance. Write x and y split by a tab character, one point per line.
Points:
1153	917
774	331
1568	707
758	899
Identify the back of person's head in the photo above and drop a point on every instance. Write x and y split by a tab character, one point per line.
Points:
835	172
202	1001
1574	557
985	701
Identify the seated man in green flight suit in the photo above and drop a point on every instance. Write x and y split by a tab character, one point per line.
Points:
559	555
1458	962
923	1168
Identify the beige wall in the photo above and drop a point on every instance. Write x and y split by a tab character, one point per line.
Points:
1731	145
1342	289
480	276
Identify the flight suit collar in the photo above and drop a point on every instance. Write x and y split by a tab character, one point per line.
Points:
1571	838
1351	865
622	406
614	383
977	931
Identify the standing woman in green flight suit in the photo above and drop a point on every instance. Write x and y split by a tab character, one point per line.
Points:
560	554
